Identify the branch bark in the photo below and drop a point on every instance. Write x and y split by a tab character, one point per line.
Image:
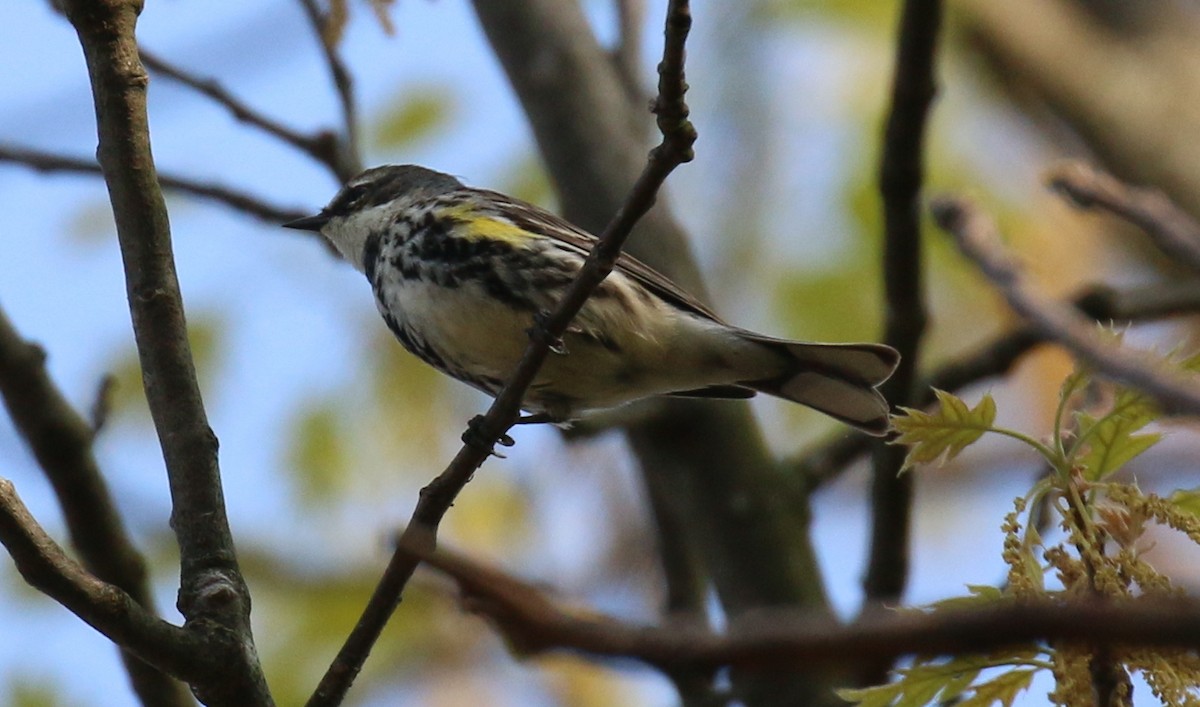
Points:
900	183
61	442
213	596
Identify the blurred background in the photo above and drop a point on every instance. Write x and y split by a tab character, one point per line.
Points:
328	428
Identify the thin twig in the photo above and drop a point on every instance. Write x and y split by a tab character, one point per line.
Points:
213	596
239	201
788	640
900	182
825	462
61	441
105	607
321	146
1172	229
345	161
436	498
976	237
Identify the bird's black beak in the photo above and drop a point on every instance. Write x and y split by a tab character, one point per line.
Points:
309	223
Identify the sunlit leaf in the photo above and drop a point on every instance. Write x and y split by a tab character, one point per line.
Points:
1187	500
317	452
1111	440
416	116
941	435
1000	690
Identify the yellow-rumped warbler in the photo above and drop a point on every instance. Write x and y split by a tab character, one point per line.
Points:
459	275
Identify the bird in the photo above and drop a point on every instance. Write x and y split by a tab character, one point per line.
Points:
461	274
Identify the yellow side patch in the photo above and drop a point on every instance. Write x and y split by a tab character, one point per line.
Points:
480	227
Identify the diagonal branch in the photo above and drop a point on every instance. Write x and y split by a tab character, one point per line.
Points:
976	237
103	606
213	596
239	201
345	161
900	181
436	498
1172	229
825	462
61	441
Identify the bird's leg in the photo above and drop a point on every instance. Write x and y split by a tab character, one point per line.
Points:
475	438
537	332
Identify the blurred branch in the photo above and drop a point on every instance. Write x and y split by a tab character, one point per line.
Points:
627	54
825	462
346	161
900	181
213	596
976	237
678	135
61	442
103	606
783	640
1173	231
236	200
322	146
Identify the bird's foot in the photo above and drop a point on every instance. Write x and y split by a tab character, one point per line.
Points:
475	437
538	332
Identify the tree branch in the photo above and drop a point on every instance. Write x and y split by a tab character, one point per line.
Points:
976	237
825	462
900	181
103	606
1171	229
481	437
344	160
785	640
236	200
61	442
213	595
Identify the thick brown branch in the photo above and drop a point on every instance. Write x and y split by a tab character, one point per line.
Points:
437	497
1173	231
103	606
236	200
976	237
900	183
61	442
213	595
788	640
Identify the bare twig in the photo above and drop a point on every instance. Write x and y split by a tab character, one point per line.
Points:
900	182
789	640
239	201
61	442
103	606
827	461
976	237
436	498
322	146
213	596
1172	229
345	160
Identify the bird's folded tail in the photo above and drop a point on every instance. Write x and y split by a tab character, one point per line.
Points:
836	379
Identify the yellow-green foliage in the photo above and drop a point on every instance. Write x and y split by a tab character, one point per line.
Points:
1098	429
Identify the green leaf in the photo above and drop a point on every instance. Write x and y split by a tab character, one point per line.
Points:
942	435
1111	441
1187	500
1002	689
417	116
317	453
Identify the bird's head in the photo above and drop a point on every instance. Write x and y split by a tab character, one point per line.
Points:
370	202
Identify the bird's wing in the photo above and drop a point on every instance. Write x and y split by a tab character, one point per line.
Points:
534	218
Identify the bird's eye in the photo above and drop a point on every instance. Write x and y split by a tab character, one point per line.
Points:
348	199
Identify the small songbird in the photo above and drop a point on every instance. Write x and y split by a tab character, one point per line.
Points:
460	274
